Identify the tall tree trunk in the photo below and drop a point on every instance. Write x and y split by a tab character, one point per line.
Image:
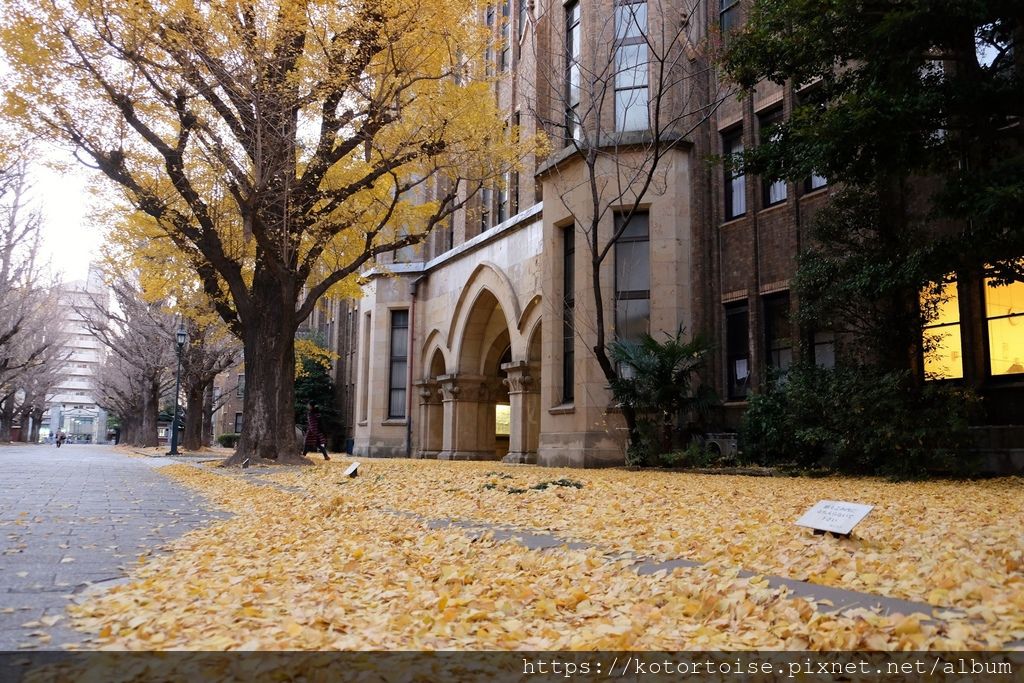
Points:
25	436
129	430
37	418
7	418
208	415
268	420
147	434
192	438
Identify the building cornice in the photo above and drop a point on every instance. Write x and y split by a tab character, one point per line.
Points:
621	141
499	231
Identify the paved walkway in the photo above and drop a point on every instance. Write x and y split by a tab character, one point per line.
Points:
74	517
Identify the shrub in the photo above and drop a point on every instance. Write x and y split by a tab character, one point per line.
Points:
858	420
696	455
228	440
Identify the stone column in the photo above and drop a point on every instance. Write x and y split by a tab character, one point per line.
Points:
466	400
523	393
431	419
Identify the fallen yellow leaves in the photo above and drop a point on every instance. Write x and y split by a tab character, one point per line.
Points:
947	543
335	569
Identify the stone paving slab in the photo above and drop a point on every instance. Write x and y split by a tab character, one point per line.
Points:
75	517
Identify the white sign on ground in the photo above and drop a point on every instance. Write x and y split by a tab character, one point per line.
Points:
836	516
352	470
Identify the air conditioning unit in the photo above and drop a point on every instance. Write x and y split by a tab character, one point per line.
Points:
722	444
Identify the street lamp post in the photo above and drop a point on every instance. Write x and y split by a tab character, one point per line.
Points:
180	337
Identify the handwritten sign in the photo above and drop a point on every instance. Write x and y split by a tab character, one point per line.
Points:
836	516
353	470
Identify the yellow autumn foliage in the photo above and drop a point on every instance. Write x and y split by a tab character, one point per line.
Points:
268	146
361	563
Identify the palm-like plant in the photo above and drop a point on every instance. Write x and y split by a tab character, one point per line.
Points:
658	383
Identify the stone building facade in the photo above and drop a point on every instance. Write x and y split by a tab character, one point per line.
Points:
477	344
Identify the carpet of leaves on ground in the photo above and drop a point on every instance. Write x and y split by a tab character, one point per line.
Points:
948	543
335	569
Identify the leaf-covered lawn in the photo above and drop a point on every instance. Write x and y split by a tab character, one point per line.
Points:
334	568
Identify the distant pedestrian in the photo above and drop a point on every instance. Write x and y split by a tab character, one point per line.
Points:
314	437
61	438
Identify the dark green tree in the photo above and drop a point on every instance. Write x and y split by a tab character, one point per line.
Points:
914	108
313	383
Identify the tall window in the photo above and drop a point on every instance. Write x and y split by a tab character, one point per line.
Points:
631	66
943	358
824	348
568	312
737	349
406	254
398	364
735	181
502	208
489	52
773	190
572	71
240	387
238	423
524	16
1004	312
816	182
506	35
812	98
485	208
728	17
513	176
778	331
632	278
364	393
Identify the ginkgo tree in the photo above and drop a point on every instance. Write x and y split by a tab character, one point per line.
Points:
280	145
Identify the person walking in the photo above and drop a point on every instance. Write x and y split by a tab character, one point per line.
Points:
314	437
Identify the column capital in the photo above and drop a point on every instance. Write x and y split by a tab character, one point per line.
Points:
518	384
464	387
428	390
518	378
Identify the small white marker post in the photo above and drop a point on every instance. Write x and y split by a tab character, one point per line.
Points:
353	470
836	516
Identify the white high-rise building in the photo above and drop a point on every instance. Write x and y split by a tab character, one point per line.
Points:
73	407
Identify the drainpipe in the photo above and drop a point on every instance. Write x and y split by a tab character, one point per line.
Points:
409	358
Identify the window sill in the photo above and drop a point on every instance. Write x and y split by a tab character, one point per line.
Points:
362	423
815	192
394	421
1015	379
735	403
773	207
731	221
563	409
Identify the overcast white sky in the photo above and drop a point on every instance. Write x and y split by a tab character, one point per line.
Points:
70	237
